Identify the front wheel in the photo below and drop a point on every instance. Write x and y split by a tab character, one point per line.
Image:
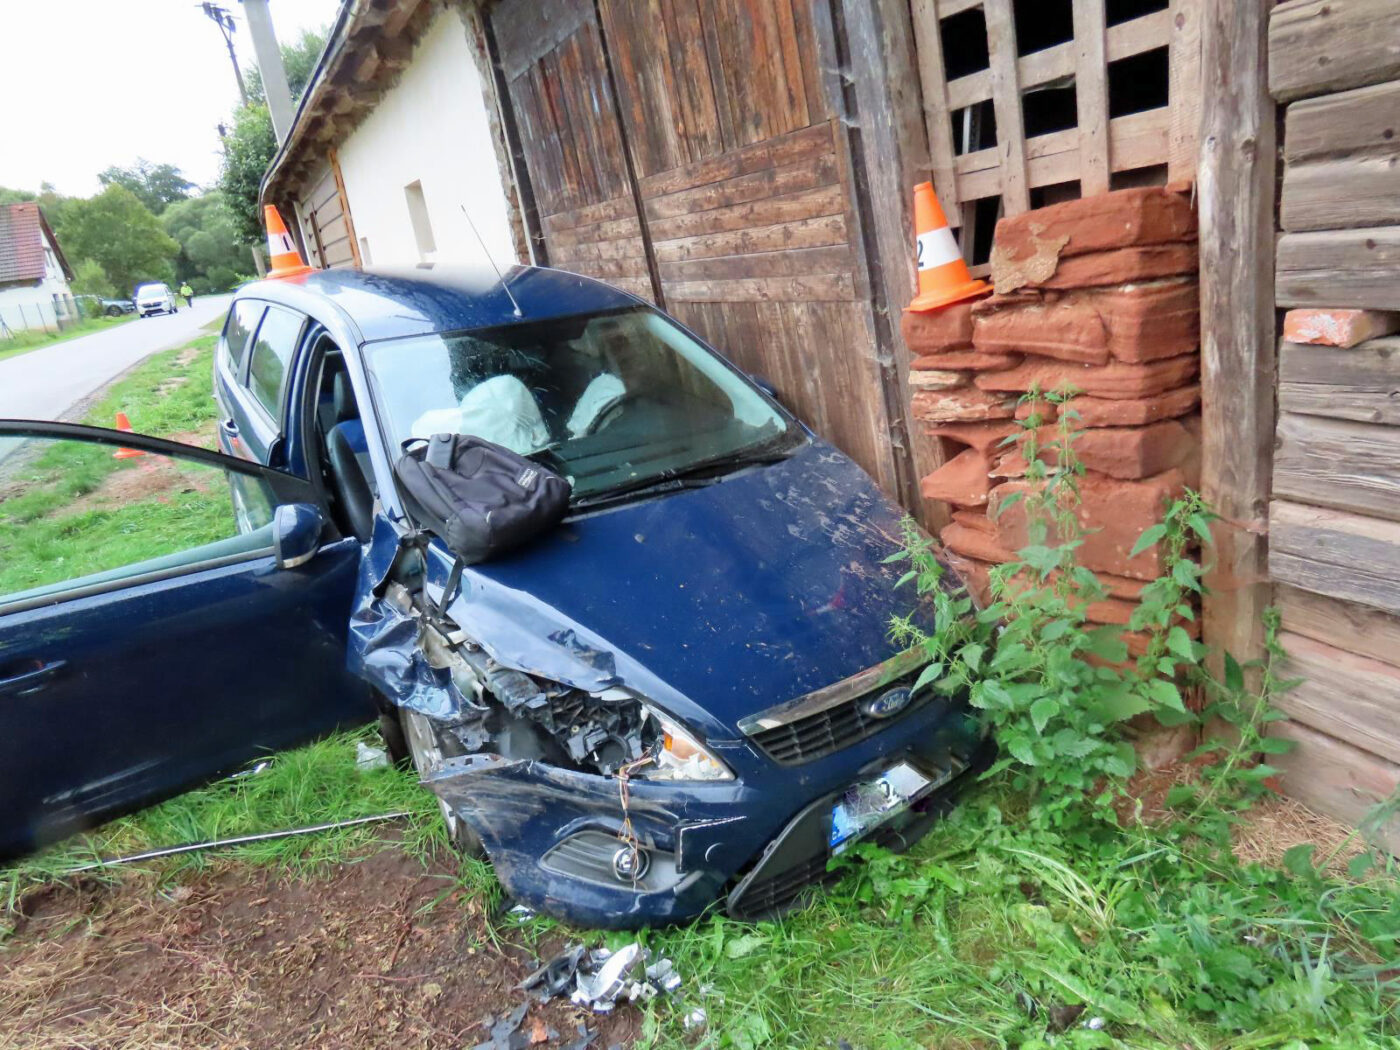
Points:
114	311
425	747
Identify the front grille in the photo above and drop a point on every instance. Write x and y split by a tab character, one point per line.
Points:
768	898
826	732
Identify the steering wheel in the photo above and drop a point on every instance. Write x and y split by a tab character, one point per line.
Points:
609	415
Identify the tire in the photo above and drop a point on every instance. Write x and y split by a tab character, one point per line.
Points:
114	311
423	746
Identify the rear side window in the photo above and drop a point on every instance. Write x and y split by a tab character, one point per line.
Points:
238	330
272	353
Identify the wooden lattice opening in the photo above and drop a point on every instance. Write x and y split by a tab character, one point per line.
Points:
1032	102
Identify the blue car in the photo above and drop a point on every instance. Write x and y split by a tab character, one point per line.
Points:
684	695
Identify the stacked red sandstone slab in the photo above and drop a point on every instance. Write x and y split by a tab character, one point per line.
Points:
1098	295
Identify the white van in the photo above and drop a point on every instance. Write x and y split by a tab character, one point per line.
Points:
155	299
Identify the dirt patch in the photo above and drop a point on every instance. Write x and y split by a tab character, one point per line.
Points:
383	953
149	478
186	357
173	383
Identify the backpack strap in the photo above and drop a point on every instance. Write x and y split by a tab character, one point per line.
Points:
439	452
454	580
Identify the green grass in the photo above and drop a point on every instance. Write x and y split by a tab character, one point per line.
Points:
24	342
45	539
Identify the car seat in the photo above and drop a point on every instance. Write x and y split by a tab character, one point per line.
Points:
349	461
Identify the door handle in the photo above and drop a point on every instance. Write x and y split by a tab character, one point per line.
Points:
32	680
230	427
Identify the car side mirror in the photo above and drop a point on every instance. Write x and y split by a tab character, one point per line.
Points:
296	533
763	384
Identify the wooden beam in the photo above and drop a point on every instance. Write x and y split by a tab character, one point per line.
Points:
1236	199
1320	46
1353	698
1006	100
1356	628
928	41
1347	556
1362	383
1336	778
1091	96
1338	463
1184	88
334	159
1340	268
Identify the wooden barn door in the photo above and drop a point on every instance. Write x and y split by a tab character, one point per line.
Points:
747	231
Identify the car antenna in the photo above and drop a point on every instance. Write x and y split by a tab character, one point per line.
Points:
486	251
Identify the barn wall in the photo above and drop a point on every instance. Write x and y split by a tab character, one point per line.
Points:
1335	517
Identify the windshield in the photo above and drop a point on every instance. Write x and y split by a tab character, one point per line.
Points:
150	291
613	399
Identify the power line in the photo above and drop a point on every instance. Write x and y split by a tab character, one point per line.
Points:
221	18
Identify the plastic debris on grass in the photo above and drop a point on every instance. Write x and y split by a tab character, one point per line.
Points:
600	979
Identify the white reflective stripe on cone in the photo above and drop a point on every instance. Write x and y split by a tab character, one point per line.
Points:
937	248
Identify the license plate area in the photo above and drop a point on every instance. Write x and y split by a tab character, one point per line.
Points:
867	805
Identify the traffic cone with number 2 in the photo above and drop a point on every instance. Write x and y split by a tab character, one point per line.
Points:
943	275
283	259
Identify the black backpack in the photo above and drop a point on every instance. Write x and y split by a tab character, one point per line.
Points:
480	498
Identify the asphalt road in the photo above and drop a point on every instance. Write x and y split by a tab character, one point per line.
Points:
45	384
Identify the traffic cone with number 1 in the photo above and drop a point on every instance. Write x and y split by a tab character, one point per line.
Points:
282	256
943	276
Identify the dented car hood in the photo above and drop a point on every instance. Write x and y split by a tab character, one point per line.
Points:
749	592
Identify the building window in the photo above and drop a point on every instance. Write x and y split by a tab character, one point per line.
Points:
365	259
418	216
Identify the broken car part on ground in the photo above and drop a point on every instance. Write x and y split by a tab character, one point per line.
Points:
686	691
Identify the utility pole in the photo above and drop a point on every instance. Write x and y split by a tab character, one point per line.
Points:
221	18
269	56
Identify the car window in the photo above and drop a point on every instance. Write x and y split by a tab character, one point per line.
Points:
272	352
238	330
73	513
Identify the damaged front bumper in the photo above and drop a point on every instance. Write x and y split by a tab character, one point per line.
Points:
565	842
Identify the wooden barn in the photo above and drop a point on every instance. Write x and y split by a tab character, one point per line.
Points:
748	165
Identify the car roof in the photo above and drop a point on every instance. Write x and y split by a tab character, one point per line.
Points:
386	303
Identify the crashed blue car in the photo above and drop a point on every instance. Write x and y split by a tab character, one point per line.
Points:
685	695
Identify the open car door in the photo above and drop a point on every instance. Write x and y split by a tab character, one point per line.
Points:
167	613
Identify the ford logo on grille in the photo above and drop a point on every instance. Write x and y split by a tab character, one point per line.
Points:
887	705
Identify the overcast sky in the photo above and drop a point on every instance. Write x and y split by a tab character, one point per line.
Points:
89	83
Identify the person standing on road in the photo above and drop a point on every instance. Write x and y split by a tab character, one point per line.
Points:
187	292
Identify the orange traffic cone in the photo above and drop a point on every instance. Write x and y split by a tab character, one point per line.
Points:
124	425
943	276
283	258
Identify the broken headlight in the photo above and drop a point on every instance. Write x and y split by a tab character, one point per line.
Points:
676	755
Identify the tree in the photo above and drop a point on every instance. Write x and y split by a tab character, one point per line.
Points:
298	60
157	186
212	255
119	232
90	279
250	144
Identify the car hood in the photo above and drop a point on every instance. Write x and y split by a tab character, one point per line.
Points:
717	602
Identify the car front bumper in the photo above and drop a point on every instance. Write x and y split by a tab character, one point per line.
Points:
762	839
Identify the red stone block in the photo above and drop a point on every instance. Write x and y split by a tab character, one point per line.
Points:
928	379
1343	328
974	543
1113	512
1147	322
1122	219
1067	330
1102	412
962	480
965	403
970	360
975	519
1119	452
982	436
1116	380
1124	266
933	331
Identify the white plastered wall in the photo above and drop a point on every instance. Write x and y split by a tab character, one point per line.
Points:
430	128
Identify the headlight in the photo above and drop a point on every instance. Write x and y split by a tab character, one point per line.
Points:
679	755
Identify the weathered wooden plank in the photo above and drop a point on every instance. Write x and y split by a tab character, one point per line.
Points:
1350	697
529	29
1362	120
1134	141
1236	200
1336	778
1184	88
792	148
757	185
1006	101
837	287
1356	628
602	211
622	247
1331	552
937	112
606	269
1340	268
1362	383
1338	463
803	233
614	229
1341	193
1317	46
792	263
1091	96
803	204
